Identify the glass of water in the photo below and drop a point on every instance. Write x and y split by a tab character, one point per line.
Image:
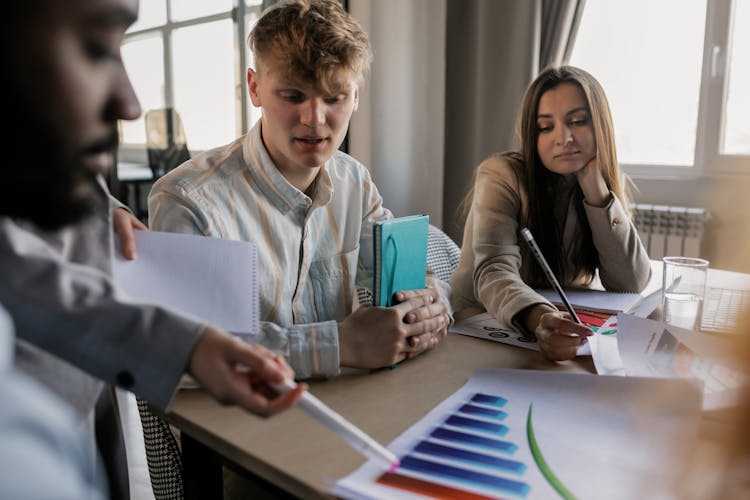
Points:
683	290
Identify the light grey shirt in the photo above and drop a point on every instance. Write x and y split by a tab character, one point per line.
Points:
314	252
70	318
43	447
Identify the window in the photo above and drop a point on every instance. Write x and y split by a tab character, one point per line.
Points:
677	76
191	55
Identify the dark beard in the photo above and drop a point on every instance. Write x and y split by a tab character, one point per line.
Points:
40	185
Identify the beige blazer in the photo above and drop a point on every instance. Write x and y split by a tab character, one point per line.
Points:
494	268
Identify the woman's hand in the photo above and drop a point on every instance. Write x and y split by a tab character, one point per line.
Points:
559	336
595	190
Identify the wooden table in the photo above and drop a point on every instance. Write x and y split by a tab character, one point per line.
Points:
296	454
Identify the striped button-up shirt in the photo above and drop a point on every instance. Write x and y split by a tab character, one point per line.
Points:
313	253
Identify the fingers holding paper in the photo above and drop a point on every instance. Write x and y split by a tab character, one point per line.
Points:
125	224
559	336
234	372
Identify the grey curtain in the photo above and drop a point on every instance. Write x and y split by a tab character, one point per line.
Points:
491	55
494	48
559	25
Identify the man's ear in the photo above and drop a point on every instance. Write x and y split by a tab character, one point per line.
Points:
356	99
252	87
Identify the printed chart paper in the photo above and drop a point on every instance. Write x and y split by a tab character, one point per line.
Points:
538	435
654	349
484	326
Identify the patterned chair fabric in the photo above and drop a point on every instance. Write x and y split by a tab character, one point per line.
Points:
442	253
162	455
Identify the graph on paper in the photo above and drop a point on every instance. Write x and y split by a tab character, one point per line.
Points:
485	326
469	449
520	434
651	348
672	358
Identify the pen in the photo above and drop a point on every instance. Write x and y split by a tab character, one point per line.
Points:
548	272
353	436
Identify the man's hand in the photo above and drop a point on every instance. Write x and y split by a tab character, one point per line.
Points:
234	372
124	223
374	337
435	310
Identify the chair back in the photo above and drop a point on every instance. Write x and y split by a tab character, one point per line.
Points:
166	144
442	253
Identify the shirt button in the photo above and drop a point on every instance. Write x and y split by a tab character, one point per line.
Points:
125	380
615	221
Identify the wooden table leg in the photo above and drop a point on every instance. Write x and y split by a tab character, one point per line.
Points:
202	472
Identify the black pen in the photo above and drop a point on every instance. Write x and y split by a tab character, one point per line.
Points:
548	272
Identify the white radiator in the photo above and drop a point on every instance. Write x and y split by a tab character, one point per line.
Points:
666	230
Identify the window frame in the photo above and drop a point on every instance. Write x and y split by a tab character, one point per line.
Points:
708	161
239	14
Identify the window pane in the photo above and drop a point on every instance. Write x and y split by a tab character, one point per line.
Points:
144	61
190	9
150	13
736	124
650	68
204	63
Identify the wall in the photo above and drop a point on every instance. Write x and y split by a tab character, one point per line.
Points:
728	200
398	130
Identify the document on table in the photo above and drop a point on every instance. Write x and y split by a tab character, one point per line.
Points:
537	435
594	300
654	349
211	279
485	326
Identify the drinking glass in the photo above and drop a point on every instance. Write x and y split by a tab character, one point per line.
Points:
683	290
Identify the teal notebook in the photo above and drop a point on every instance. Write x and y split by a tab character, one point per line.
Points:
400	256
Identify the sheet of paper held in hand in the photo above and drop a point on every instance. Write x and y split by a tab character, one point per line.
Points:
211	279
536	435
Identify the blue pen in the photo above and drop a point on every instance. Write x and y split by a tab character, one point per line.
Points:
548	272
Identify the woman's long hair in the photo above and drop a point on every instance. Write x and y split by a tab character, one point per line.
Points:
543	186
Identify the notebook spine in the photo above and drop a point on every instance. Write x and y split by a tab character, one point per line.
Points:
377	231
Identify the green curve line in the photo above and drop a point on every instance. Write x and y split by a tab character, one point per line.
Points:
542	464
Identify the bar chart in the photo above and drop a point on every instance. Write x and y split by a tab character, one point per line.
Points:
466	450
523	434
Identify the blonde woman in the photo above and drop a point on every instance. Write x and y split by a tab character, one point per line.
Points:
565	185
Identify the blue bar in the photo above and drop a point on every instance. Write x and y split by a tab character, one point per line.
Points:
472	439
488	399
465	476
478	425
472	457
482	411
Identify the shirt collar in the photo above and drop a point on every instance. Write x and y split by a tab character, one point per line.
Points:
281	192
